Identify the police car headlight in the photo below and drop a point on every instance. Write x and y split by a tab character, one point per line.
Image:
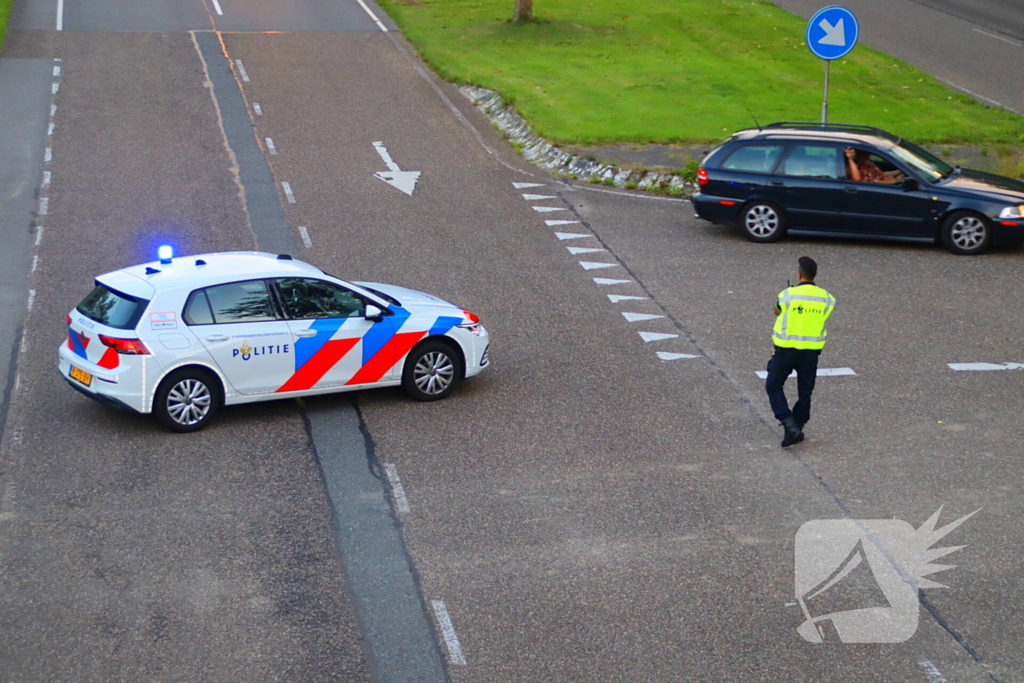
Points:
476	328
1012	212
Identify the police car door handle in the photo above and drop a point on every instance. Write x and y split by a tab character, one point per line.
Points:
217	337
306	333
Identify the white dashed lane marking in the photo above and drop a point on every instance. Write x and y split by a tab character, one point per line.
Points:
304	234
639	317
451	640
288	192
616	298
241	70
656	336
984	367
216	7
538	197
548	209
257	108
270	147
822	372
523	186
397	491
668	355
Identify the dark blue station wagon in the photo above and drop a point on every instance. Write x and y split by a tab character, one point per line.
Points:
797	178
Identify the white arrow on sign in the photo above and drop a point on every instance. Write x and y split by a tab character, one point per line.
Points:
394	176
834	35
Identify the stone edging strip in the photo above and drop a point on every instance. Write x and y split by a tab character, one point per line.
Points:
539	151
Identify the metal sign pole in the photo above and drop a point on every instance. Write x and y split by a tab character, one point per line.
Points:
824	103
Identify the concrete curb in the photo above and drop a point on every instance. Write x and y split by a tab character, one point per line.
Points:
539	151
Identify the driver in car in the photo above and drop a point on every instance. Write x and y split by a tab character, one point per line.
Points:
860	168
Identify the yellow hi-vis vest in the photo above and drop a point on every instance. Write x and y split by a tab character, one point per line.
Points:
801	324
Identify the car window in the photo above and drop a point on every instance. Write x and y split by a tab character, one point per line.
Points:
112	309
306	299
921	160
753	158
813	161
197	310
241	302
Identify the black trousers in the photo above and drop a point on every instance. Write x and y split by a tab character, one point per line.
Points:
781	364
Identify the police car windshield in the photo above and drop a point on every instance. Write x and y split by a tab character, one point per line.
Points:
921	160
112	308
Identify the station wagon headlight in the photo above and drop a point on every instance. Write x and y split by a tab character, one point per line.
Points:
1012	212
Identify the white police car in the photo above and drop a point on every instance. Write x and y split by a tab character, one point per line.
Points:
183	336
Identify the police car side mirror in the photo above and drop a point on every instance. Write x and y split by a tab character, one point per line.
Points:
373	313
909	184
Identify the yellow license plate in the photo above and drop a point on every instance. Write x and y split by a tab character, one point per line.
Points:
81	375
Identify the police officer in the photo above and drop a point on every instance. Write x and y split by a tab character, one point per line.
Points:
799	337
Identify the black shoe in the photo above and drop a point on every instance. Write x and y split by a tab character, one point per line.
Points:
793	432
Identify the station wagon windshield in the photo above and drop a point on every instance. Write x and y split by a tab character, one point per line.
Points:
921	160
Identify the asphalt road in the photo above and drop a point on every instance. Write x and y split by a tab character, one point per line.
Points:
586	510
973	45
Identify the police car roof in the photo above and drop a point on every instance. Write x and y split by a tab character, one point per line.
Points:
205	269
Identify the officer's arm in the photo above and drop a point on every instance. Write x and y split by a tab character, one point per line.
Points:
778	309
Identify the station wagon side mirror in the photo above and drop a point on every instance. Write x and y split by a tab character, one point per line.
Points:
373	313
909	184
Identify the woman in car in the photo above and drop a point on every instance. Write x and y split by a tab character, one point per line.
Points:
860	168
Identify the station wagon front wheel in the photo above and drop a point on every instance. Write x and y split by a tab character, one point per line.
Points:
967	233
763	222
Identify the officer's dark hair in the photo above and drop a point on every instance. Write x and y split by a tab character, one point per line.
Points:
808	267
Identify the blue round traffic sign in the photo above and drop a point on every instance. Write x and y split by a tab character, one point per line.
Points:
832	32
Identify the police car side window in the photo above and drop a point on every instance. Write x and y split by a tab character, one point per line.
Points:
197	310
306	299
753	158
241	302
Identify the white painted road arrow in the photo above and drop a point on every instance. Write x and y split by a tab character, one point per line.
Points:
394	176
834	35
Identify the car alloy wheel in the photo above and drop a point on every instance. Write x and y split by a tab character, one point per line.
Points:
762	222
433	373
966	233
188	402
187	399
432	370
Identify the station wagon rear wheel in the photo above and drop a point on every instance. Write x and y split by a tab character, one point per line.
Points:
432	371
967	233
762	222
187	400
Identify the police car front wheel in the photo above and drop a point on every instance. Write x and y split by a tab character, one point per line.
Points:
432	371
187	400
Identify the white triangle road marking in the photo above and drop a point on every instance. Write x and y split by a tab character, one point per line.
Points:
591	265
610	281
558	222
667	355
637	317
523	186
584	250
569	235
655	336
822	372
616	298
400	180
535	197
548	209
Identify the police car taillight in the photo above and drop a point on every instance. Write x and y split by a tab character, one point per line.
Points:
128	347
702	176
67	318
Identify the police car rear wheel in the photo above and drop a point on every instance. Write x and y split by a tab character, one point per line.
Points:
966	233
432	371
763	222
187	400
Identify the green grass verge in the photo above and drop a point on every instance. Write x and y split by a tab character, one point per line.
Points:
5	12
680	71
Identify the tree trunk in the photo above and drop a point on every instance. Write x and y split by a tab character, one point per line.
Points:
524	12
